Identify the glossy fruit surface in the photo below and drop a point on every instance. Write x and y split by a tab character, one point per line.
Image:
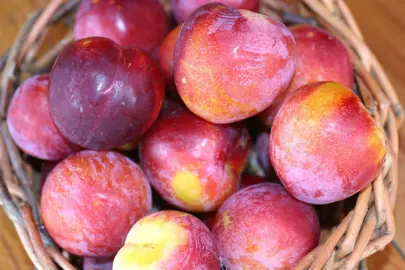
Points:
30	123
324	145
182	9
168	240
166	57
230	64
192	163
263	227
90	201
103	96
320	57
140	23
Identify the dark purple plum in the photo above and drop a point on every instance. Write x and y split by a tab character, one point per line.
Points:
103	96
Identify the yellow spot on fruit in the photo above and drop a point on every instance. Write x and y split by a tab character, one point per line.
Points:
198	165
184	80
216	102
226	98
96	203
325	100
129	146
228	169
226	220
376	142
86	43
310	34
252	248
187	188
150	242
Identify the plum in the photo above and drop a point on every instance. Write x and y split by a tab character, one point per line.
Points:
320	57
247	180
230	64
168	240
131	146
103	96
30	124
192	163
90	263
182	9
166	57
123	21
250	180
324	145
263	227
90	201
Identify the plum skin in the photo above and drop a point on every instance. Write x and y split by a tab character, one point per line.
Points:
230	64
30	123
320	57
166	58
324	145
194	164
123	21
168	240
329	59
91	263
182	9
281	231
250	180
90	201
103	96
247	180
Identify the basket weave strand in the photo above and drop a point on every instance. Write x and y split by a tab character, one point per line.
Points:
366	229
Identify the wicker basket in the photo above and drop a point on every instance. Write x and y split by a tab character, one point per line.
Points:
364	229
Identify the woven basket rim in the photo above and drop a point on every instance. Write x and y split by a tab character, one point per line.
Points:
368	228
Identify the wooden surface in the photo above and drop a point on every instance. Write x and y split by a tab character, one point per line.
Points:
383	25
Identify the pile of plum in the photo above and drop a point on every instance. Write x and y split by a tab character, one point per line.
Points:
103	109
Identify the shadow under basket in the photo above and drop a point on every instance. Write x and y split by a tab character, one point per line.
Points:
358	227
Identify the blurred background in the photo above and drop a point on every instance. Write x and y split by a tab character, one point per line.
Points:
382	23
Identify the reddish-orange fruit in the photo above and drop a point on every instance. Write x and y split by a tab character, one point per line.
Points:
264	227
182	9
90	201
30	123
140	23
169	240
247	180
324	145
166	57
230	64
192	163
320	57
